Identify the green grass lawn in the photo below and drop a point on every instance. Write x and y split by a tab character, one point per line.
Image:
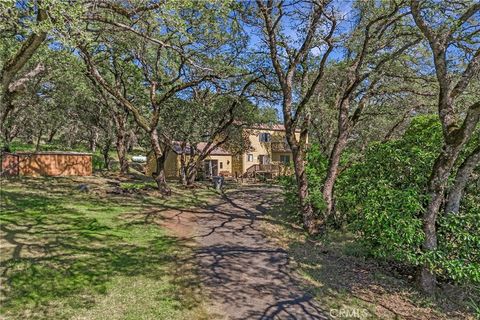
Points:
67	254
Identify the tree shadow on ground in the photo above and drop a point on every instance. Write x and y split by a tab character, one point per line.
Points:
52	249
343	276
245	274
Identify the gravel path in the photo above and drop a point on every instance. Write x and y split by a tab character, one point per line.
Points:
245	275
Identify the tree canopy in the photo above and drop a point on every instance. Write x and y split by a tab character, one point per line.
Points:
379	100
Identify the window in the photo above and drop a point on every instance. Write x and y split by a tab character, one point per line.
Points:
264	137
250	157
221	165
285	159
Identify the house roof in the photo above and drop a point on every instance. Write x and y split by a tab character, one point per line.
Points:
218	151
274	127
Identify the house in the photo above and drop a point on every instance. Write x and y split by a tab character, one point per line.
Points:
268	153
218	162
49	163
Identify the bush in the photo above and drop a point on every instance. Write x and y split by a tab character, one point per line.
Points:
316	169
383	197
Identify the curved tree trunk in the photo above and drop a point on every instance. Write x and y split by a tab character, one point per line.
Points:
12	67
332	171
121	141
310	221
191	175
183	170
464	172
436	189
344	127
160	157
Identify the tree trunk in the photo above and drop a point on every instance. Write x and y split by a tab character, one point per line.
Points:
310	222
464	172
344	126
332	171
39	138
12	66
436	189
183	168
122	153
121	143
9	133
94	139
6	108
131	140
160	156
51	135
160	177
106	158
191	174
106	153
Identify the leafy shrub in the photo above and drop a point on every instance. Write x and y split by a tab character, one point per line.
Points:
97	162
290	197
384	196
458	256
316	169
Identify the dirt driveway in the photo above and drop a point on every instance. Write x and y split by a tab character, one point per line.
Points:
246	276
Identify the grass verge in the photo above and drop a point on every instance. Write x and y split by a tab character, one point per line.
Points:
71	254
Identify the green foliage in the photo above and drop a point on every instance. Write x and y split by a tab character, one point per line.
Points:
316	169
383	198
97	162
290	198
458	255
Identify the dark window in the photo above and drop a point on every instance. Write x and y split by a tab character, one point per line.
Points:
264	137
221	165
285	159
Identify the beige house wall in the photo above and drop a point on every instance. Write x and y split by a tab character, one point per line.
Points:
172	164
224	163
263	148
171	168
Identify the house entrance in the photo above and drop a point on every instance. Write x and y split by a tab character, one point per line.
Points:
211	168
264	159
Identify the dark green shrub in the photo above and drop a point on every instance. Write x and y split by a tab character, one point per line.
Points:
316	169
97	162
383	198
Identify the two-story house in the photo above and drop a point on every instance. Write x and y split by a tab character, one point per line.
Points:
268	152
